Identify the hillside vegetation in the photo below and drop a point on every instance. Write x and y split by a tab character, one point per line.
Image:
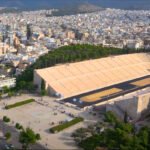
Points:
113	134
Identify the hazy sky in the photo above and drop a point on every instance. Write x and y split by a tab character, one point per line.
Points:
140	4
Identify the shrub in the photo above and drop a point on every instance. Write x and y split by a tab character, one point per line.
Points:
18	126
65	125
19	104
43	93
10	94
8	135
6	119
38	137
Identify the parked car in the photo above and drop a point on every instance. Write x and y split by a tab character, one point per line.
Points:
9	147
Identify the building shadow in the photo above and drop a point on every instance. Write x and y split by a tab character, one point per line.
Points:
9	127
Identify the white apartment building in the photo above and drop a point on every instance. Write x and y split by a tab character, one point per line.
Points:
9	82
136	44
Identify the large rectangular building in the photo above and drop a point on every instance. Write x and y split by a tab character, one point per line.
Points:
72	79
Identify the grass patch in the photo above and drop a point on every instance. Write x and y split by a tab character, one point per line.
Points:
19	104
65	125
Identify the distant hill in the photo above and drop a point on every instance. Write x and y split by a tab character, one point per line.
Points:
76	9
87	7
68	10
10	10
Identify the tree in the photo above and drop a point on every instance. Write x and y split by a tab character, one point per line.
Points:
125	117
110	117
38	137
80	134
8	135
90	143
31	87
28	137
3	38
29	32
43	90
0	95
5	89
6	119
18	126
22	84
10	93
42	85
120	136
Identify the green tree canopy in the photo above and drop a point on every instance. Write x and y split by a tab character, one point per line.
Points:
120	136
28	137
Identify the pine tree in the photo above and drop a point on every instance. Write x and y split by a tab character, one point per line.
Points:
125	117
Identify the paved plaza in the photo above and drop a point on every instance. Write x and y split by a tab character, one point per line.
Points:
39	116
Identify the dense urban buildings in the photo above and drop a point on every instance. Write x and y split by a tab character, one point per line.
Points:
110	27
67	74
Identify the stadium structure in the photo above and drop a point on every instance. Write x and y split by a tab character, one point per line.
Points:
94	81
